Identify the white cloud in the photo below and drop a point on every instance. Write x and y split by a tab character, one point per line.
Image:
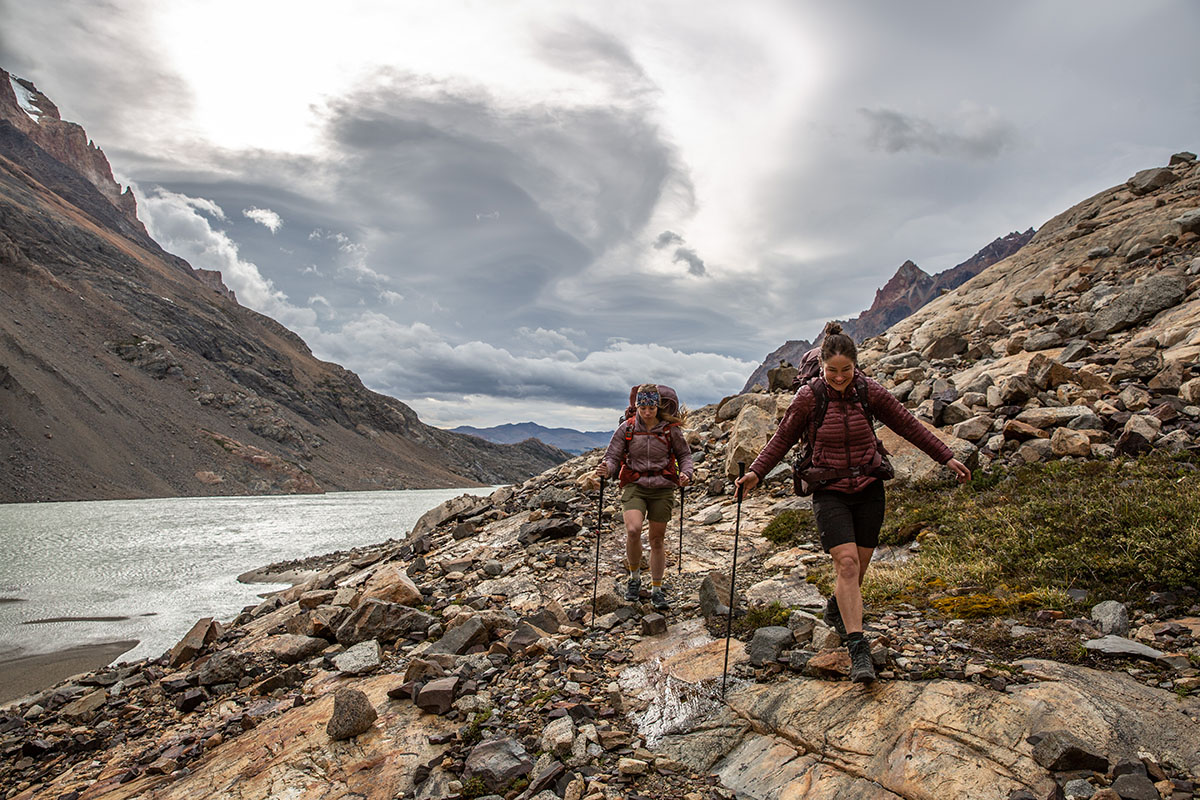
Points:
175	221
265	217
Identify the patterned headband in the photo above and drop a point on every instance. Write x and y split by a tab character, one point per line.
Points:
647	398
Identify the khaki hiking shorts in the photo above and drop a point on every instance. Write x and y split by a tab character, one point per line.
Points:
656	504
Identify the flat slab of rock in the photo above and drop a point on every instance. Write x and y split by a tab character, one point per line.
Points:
1120	646
359	659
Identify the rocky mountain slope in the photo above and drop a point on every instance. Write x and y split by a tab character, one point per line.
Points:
464	662
906	291
572	441
126	373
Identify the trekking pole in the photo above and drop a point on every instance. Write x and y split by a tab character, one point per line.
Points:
680	530
599	525
737	522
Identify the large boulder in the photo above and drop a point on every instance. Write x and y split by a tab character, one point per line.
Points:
1149	180
352	715
751	432
387	622
461	638
1140	302
497	763
461	506
391	584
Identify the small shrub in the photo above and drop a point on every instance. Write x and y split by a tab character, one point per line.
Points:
761	617
791	526
474	788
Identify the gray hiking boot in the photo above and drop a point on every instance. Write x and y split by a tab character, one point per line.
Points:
861	668
833	617
633	590
659	600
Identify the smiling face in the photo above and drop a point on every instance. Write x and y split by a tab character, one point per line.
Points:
838	372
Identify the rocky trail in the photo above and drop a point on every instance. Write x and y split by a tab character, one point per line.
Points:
462	661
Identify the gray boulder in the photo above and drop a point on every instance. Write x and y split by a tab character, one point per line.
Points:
1061	750
497	762
226	666
768	643
1189	221
352	715
461	638
1140	303
375	619
1113	617
1149	180
359	659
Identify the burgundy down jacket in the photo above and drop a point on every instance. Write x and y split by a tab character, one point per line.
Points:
845	438
649	454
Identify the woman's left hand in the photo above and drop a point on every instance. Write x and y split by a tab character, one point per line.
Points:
960	469
684	480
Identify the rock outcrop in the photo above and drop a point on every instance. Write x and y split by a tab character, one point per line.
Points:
906	291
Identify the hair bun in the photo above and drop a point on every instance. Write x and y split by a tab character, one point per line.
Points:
832	328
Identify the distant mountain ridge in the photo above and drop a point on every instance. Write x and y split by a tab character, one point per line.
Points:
568	439
127	373
909	289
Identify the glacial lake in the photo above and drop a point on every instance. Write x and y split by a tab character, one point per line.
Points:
148	569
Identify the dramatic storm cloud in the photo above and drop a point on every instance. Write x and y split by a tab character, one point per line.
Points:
501	212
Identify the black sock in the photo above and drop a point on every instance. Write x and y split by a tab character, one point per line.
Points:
853	637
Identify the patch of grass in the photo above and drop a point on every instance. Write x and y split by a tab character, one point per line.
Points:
761	617
1122	527
472	734
474	788
790	527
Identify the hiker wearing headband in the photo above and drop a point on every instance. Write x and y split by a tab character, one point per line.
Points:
649	453
843	466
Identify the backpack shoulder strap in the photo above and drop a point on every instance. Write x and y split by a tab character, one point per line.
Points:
820	406
862	391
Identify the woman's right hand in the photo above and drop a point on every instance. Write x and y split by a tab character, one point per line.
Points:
747	482
602	470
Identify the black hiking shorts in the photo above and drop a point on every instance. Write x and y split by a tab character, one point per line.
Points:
849	518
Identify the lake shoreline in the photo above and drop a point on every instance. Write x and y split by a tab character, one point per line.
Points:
23	673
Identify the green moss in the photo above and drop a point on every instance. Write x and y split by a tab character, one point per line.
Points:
790	527
472	734
761	617
474	788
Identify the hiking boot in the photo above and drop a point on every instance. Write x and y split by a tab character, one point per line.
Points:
861	668
833	617
659	600
633	590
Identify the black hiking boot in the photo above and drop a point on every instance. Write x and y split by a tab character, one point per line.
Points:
833	617
861	668
659	600
633	590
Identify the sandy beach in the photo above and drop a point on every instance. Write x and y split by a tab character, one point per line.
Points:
25	673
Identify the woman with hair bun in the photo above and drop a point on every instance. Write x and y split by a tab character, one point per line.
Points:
847	471
649	453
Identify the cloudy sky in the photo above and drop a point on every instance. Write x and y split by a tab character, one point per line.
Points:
510	211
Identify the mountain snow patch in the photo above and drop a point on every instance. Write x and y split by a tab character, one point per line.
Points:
25	99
